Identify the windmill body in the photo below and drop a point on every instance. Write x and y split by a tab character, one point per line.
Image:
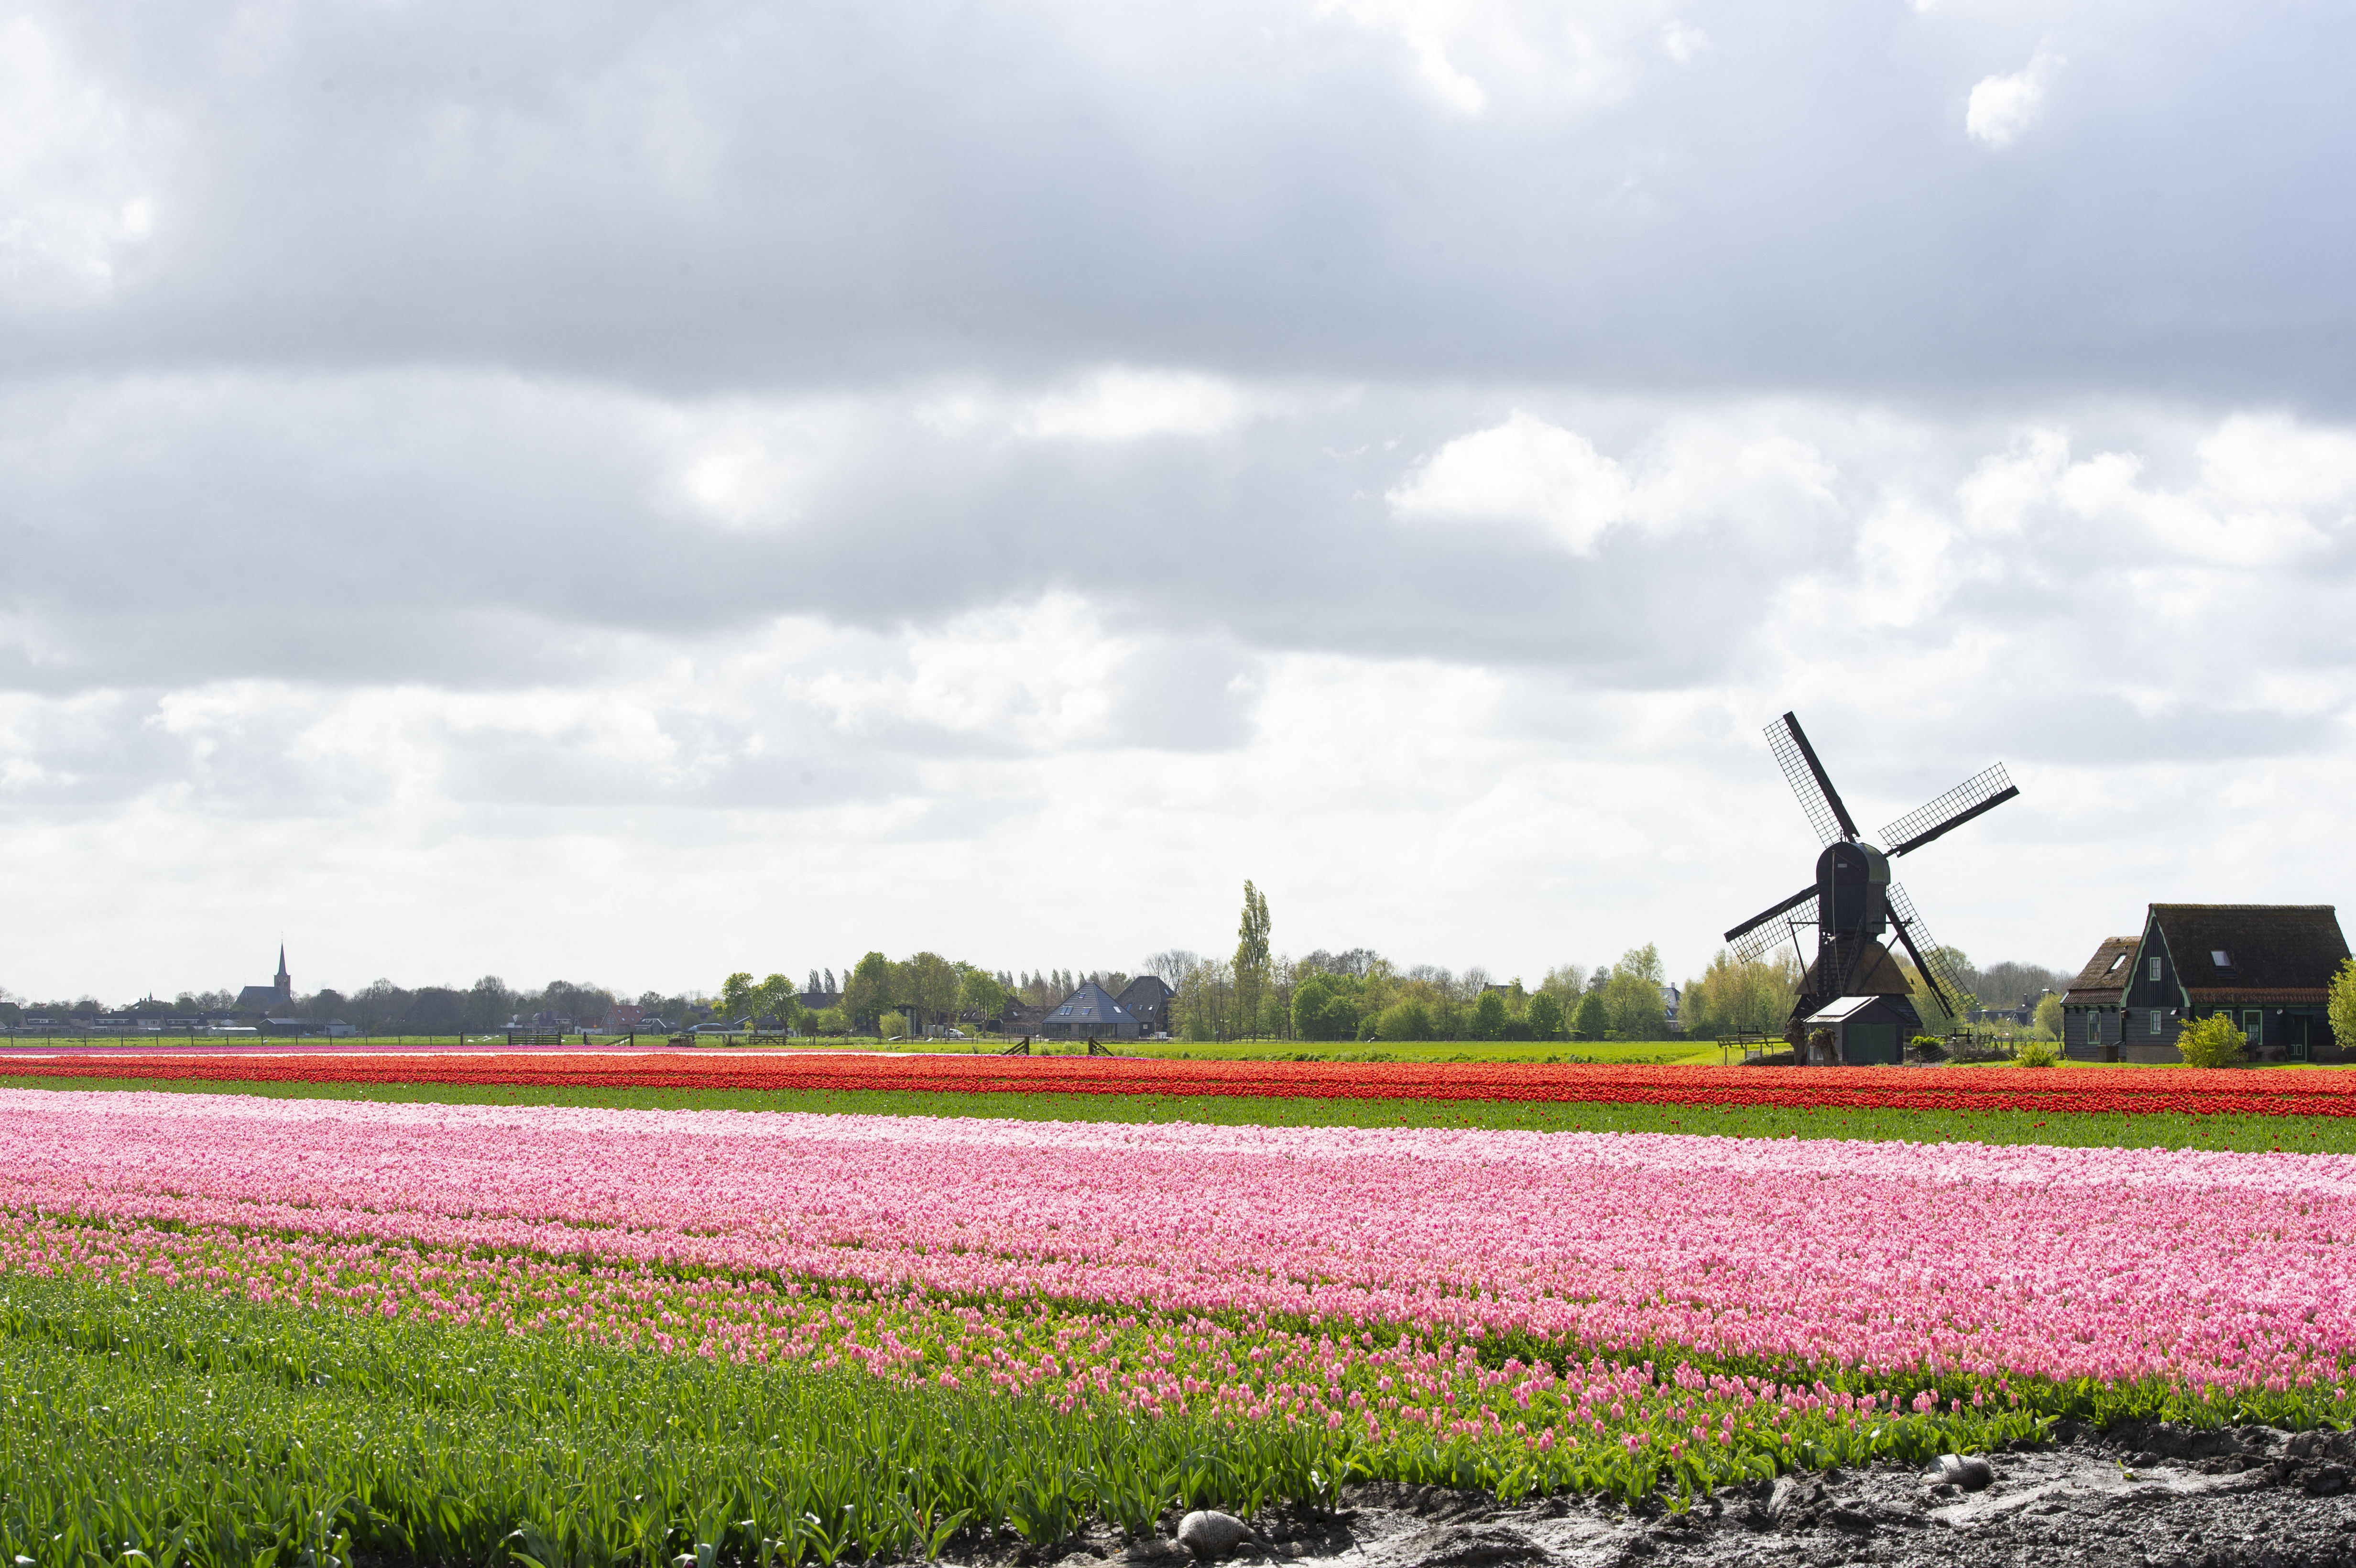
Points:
1853	903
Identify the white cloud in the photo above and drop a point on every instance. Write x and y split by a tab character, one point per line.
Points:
753	465
2270	494
1469	56
1523	472
1119	403
73	199
1725	467
1682	40
2002	107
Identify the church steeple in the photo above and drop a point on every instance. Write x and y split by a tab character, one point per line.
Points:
285	985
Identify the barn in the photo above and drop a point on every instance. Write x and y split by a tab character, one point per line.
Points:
2090	1008
2267	966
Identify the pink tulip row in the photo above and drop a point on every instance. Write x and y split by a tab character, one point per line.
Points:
1381	1393
2221	1270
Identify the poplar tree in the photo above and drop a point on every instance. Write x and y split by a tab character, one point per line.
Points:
1251	964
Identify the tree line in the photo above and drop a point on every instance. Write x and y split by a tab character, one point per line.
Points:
1253	992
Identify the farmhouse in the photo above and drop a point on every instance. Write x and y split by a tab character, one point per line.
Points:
1088	1013
1147	1000
2090	1008
2267	966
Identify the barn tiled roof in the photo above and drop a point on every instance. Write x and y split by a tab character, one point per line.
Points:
2104	975
2270	949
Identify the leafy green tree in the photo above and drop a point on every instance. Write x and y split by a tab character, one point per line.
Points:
2049	1016
980	991
1544	1016
1732	995
929	984
867	990
778	1000
1325	1006
1205	1004
1594	1020
2213	1041
892	1024
1632	995
1488	1020
2342	1004
1409	1019
736	996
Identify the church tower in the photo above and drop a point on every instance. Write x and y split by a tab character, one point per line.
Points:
285	982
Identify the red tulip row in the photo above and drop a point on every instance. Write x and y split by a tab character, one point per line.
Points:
1946	1089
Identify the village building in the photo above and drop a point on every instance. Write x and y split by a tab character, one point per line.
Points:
2268	967
2090	1008
278	996
1147	1000
1017	1017
1088	1013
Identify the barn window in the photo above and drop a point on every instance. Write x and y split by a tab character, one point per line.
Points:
2217	956
2155	1013
2155	968
2116	963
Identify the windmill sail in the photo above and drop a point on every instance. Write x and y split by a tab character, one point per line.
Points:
1755	937
1930	960
1981	791
1818	799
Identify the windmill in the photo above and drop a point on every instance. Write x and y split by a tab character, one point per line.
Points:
1853	901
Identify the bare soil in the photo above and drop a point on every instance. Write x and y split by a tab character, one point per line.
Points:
2131	1497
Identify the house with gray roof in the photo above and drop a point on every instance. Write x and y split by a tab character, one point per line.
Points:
1147	1000
1088	1013
2268	967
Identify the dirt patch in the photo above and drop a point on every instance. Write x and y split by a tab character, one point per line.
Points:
2133	1496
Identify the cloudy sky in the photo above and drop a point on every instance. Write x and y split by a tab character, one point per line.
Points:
634	492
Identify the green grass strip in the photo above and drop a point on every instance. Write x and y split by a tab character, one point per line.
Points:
2302	1135
194	1430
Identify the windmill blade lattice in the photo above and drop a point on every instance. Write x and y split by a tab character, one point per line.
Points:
1981	791
1818	800
1926	951
1754	939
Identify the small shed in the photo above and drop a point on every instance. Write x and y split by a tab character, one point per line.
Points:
1867	1030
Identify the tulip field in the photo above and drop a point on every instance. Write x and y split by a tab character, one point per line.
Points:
2195	1092
236	1329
